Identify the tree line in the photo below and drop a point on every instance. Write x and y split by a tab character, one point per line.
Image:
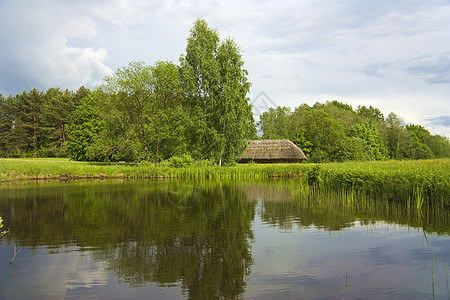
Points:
334	131
35	123
198	109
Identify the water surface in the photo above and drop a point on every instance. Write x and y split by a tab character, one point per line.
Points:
203	240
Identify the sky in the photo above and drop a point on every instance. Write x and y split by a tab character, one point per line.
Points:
392	55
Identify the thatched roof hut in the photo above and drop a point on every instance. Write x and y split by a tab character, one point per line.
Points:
272	151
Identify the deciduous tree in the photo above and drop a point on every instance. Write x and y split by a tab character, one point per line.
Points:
216	87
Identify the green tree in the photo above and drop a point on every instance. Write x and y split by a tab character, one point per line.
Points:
353	148
234	117
34	123
300	140
419	138
325	134
57	114
145	111
136	115
341	112
370	113
128	97
368	133
80	94
216	88
276	123
85	130
165	117
439	145
398	138
6	124
27	125
13	136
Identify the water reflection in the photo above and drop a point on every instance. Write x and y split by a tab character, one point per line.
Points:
165	232
209	240
287	205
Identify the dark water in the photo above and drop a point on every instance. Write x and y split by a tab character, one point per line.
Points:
206	240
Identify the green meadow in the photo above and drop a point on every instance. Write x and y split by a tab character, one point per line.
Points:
419	182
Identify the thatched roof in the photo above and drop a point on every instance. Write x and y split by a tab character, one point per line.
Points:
272	151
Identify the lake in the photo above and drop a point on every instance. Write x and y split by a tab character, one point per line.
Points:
173	239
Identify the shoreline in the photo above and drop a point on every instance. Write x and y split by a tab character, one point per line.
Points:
401	180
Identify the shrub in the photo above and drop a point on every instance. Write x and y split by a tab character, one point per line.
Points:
178	161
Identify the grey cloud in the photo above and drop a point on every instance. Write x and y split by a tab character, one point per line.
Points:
35	52
434	69
374	70
441	121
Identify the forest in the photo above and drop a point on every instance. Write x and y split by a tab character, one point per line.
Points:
334	131
197	109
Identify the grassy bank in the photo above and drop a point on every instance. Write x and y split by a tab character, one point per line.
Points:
400	180
45	168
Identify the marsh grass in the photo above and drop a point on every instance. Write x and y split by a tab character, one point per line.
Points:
416	183
334	210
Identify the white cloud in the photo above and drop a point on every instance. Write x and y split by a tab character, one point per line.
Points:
35	48
393	55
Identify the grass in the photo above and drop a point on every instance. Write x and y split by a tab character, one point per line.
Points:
413	182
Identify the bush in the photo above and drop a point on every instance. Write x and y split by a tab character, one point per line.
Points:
178	161
203	163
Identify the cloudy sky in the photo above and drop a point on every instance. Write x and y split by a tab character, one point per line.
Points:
393	55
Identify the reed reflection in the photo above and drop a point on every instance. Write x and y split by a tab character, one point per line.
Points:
286	203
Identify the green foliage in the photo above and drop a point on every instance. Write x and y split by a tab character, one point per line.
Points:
276	123
353	148
300	140
86	128
136	115
141	112
155	112
216	89
185	161
368	133
178	161
8	115
57	115
333	131
371	113
325	134
419	138
34	124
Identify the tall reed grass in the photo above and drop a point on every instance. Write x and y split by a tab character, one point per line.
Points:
415	183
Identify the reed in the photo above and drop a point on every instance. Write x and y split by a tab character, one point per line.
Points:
419	197
432	272
424	182
334	209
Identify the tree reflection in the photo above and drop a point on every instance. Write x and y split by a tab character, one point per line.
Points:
196	235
